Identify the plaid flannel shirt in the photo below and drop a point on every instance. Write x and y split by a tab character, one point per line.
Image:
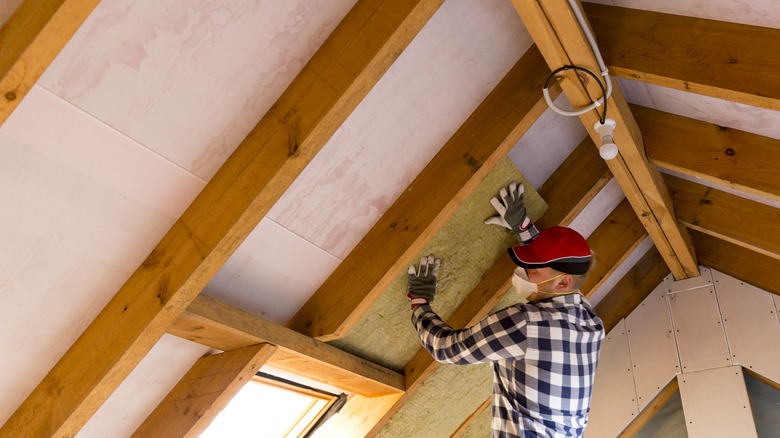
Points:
544	359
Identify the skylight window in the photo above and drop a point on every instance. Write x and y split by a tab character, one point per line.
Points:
271	407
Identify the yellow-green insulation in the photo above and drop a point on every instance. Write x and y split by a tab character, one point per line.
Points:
467	248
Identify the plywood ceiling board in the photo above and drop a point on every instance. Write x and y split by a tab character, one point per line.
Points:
145	68
752	328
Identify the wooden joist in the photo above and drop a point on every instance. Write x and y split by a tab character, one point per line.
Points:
737	261
495	282
191	406
652	408
726	60
556	31
30	40
331	84
211	322
442	186
749	224
730	157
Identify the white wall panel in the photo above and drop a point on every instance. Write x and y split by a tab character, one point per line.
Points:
752	329
653	349
701	341
716	404
613	405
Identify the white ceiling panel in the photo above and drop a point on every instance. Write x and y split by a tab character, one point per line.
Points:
272	273
82	207
144	389
189	79
709	109
464	50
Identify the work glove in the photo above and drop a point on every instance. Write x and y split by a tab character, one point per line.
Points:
512	214
422	281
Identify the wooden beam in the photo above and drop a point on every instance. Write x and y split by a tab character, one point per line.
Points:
651	409
566	185
737	261
730	157
725	60
614	240
555	29
211	322
454	173
632	289
470	419
30	40
746	223
203	392
592	175
331	84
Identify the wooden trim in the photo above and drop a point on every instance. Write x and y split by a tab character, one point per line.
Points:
555	30
445	183
470	419
714	58
331	84
614	240
30	40
651	409
737	261
632	289
203	392
495	282
733	158
211	322
762	379
749	224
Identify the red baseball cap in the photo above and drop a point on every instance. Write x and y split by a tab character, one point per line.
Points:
560	248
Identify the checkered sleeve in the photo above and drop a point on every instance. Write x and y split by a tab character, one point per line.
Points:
499	336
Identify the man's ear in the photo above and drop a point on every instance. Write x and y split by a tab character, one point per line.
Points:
564	283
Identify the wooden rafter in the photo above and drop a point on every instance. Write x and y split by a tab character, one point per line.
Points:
456	171
737	261
714	58
30	40
191	406
635	285
211	322
730	157
612	242
578	181
555	30
749	224
338	76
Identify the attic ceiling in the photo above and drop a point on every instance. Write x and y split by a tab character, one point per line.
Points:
393	124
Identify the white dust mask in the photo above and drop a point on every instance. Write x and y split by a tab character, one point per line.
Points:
524	286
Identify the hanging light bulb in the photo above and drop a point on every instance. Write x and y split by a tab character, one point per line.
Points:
608	149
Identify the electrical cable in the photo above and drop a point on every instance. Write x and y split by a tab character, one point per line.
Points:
582	110
604	71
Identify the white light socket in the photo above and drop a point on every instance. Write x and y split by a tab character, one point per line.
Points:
608	149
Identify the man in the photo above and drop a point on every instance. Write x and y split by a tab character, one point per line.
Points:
543	352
